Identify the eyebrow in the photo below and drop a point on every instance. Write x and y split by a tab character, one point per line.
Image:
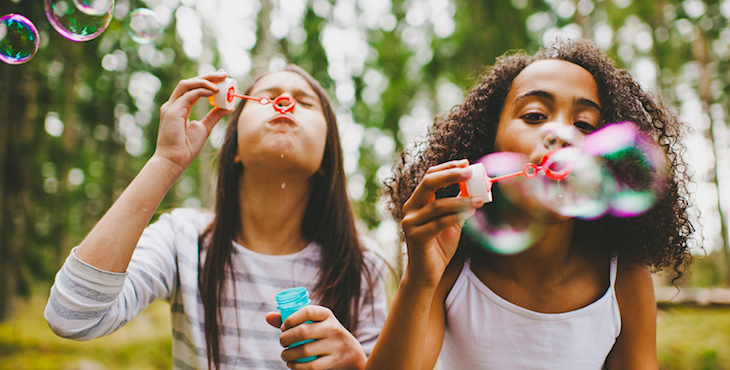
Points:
546	95
277	89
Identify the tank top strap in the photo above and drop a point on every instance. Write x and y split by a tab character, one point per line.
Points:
612	273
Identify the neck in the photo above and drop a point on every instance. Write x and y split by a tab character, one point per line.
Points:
545	259
272	210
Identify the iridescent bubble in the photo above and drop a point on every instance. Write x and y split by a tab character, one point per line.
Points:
494	228
18	39
74	24
498	226
584	189
144	26
635	161
94	7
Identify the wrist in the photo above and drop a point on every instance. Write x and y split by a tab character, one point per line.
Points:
166	167
412	279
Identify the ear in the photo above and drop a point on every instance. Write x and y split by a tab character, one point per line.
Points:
237	159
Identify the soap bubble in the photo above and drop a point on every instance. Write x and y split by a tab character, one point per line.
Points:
18	39
617	171
74	24
143	25
491	229
585	191
497	226
94	7
635	161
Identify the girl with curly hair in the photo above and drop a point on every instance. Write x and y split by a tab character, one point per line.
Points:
282	219
581	295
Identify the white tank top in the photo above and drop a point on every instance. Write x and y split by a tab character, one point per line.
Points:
485	331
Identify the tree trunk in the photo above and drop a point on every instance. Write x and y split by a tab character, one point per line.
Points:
700	53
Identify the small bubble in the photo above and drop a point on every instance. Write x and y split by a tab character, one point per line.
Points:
144	26
19	39
283	185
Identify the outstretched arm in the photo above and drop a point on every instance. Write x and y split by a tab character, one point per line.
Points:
413	331
635	347
110	243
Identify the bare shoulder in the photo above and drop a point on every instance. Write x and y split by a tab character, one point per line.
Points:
635	347
634	287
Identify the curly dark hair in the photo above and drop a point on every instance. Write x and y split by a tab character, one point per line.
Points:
659	237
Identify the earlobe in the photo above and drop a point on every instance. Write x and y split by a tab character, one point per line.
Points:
237	159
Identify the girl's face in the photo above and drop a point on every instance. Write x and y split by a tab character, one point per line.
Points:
294	141
548	96
551	104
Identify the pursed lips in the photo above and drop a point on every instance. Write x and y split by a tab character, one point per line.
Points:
283	118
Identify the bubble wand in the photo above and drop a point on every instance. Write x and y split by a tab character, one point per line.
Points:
481	185
227	91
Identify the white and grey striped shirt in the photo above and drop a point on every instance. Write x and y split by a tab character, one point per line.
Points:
86	302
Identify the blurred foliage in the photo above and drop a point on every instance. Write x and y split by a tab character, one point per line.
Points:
407	61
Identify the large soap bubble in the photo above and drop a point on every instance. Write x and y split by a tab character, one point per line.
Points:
635	161
617	171
72	23
18	39
94	7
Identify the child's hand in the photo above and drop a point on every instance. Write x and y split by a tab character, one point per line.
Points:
336	347
432	227
180	140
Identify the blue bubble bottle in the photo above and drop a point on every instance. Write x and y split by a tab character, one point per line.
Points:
289	301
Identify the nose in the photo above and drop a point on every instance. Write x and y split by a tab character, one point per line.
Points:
556	135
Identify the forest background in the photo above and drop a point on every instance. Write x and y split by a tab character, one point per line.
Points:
79	120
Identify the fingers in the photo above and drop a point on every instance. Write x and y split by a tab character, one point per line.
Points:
213	116
207	81
307	313
274	319
436	178
338	348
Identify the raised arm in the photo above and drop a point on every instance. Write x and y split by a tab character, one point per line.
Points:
110	243
413	331
635	347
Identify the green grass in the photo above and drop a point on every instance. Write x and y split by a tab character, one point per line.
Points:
694	338
688	338
26	342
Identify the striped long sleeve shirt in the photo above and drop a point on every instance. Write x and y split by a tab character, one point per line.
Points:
86	302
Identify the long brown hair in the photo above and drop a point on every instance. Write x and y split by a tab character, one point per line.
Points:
328	220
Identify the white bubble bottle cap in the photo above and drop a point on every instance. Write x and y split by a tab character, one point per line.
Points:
224	98
479	185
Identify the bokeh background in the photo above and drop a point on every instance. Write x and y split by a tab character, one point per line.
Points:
79	119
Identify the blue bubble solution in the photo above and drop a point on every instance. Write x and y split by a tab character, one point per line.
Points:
289	301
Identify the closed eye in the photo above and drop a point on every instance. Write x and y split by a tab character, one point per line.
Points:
585	127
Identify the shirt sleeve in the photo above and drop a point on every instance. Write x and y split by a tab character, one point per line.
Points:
373	308
86	302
